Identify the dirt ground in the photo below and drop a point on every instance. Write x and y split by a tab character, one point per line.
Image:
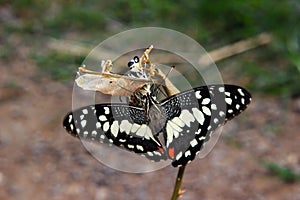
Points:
39	160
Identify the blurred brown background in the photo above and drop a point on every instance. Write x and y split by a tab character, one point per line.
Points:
257	155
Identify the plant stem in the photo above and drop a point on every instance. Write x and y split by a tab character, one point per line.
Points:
176	191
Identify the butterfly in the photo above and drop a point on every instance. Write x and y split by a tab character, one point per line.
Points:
175	128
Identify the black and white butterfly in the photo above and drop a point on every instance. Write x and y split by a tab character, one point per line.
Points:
175	128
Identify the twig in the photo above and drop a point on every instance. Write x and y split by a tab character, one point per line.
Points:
236	48
171	90
216	55
177	192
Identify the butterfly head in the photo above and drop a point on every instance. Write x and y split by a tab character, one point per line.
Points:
133	64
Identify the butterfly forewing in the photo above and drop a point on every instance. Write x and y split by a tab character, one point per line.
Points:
85	124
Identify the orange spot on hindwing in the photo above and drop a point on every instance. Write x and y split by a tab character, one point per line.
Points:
171	152
161	150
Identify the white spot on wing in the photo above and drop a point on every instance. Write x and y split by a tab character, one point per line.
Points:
102	118
114	128
125	126
228	101
145	131
193	142
243	101
85	111
169	134
173	130
205	101
176	134
98	125
187	153
202	138
213	106
198	95
179	155
216	120
135	127
105	126
139	147
142	131
70	118
106	110
150	153
178	121
221	113
206	110
174	126
83	123
221	89
241	92
94	133
198	115
186	117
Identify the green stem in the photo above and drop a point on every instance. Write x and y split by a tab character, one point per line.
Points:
178	183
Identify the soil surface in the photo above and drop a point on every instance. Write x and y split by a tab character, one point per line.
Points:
39	160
